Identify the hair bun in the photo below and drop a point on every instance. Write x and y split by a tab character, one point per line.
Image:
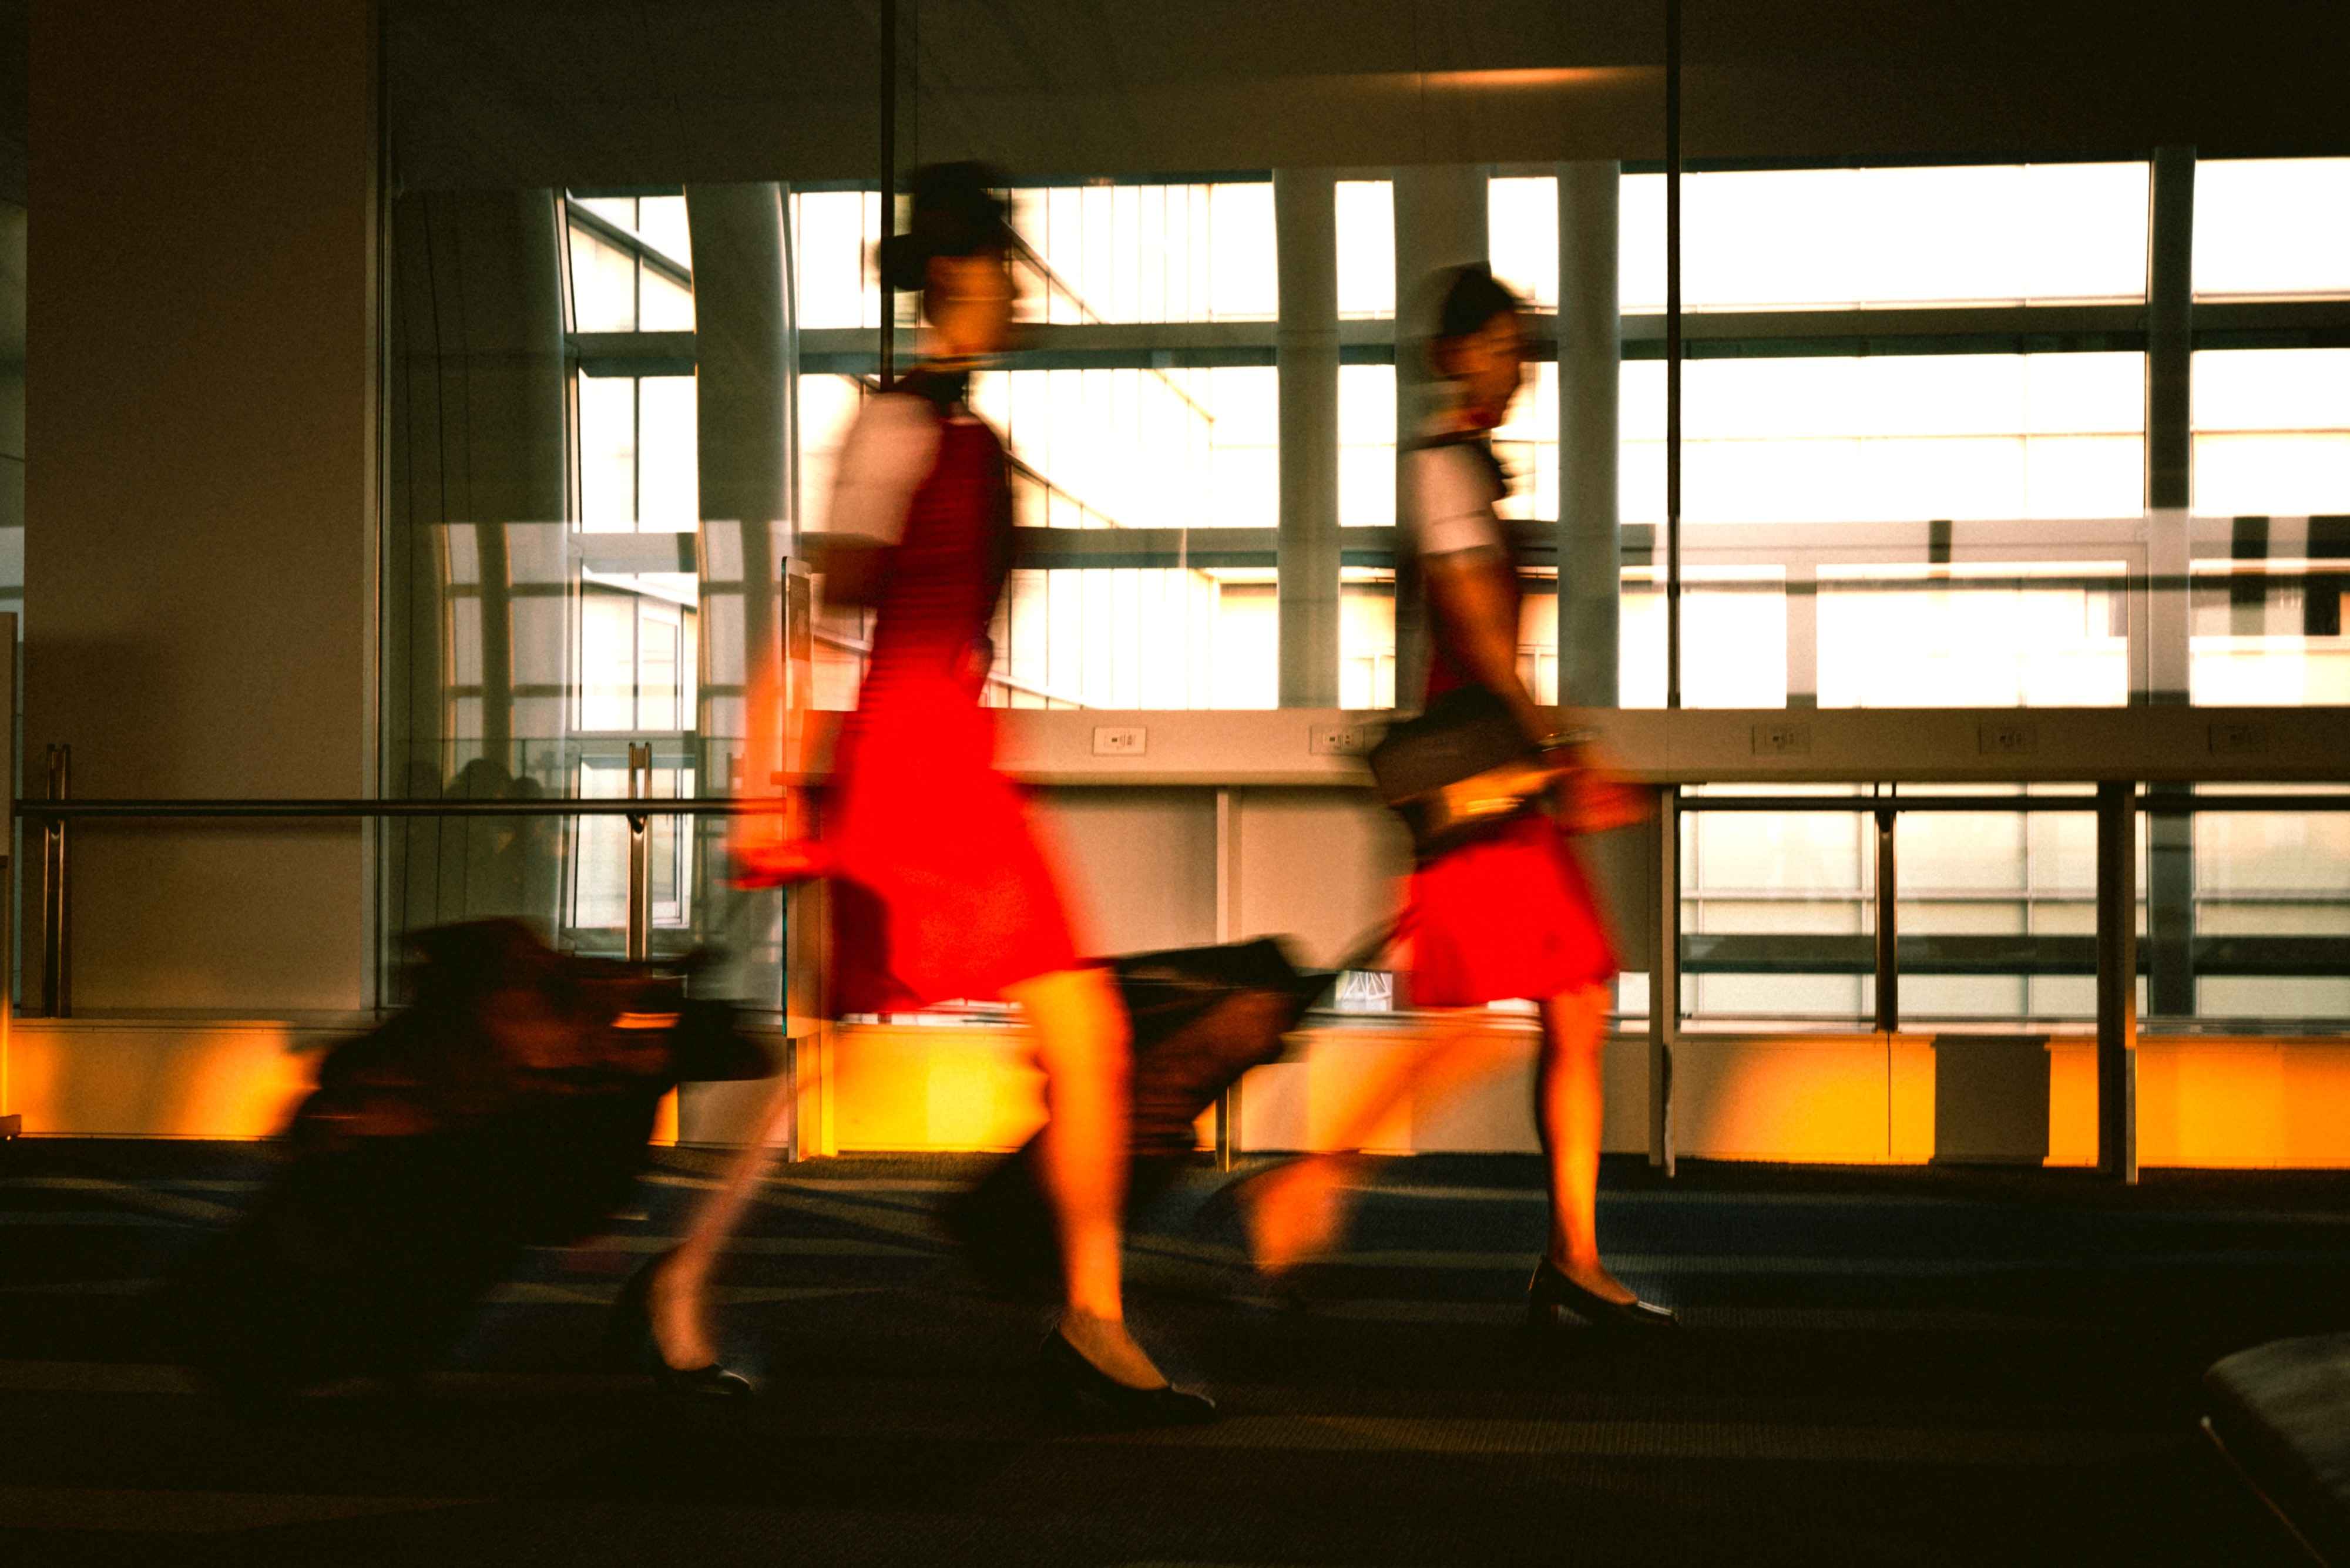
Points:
903	262
955	212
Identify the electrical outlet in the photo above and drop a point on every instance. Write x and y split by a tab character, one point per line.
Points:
1337	740
2007	738
1782	738
2232	738
1118	740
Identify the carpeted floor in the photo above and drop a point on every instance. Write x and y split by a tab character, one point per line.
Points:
1909	1366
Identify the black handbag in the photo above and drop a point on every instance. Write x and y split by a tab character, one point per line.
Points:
1462	764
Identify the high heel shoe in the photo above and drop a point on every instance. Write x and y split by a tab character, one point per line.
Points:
629	1337
1074	1387
1551	1291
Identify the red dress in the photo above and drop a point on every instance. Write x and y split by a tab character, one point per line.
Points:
1509	914
940	891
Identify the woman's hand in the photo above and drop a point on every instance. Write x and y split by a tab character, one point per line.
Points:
781	849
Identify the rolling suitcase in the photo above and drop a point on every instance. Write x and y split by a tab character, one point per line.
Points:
1201	1017
510	1106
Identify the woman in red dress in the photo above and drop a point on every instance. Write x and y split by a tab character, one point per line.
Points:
940	891
1509	914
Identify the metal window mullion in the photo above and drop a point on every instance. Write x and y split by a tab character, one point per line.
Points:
2118	981
1664	979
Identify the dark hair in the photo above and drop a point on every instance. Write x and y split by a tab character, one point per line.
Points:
1467	299
956	213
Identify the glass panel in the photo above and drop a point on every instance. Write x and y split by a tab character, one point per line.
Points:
1833	238
1138	637
1242	243
828	405
1366	446
542	652
2271	914
2267	619
1527	445
2036	633
603	284
2272	431
1365	248
608	450
1367	672
1881	439
1132	252
619	211
667	305
1141	448
1522	229
1996	912
2272	226
833	233
669	485
1777	916
662	223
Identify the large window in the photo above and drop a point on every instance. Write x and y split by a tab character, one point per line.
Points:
1137	252
1882	438
637	450
2272	431
1122	447
631	264
2272	227
1846	238
1365	249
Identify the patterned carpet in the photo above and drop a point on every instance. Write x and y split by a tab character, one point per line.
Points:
1908	1366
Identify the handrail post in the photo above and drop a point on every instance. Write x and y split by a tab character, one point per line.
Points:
1888	967
1665	977
640	855
2118	981
56	894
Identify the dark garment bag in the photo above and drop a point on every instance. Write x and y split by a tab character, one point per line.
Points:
1201	1017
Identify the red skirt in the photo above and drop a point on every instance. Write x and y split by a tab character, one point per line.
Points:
940	891
1506	916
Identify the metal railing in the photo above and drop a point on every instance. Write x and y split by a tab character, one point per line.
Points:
55	815
2115	807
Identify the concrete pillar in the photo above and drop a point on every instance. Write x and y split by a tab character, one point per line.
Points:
1305	225
742	355
744	401
1439	221
1589	355
201	517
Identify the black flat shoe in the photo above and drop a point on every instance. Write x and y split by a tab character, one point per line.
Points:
1551	1291
629	1337
1075	1388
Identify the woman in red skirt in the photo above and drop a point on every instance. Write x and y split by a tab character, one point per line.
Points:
1509	914
940	891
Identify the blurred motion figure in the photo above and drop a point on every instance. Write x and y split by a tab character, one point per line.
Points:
940	890
509	1105
1505	911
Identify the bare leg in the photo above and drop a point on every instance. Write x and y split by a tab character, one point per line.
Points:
1567	1109
1298	1209
677	1302
1082	1046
